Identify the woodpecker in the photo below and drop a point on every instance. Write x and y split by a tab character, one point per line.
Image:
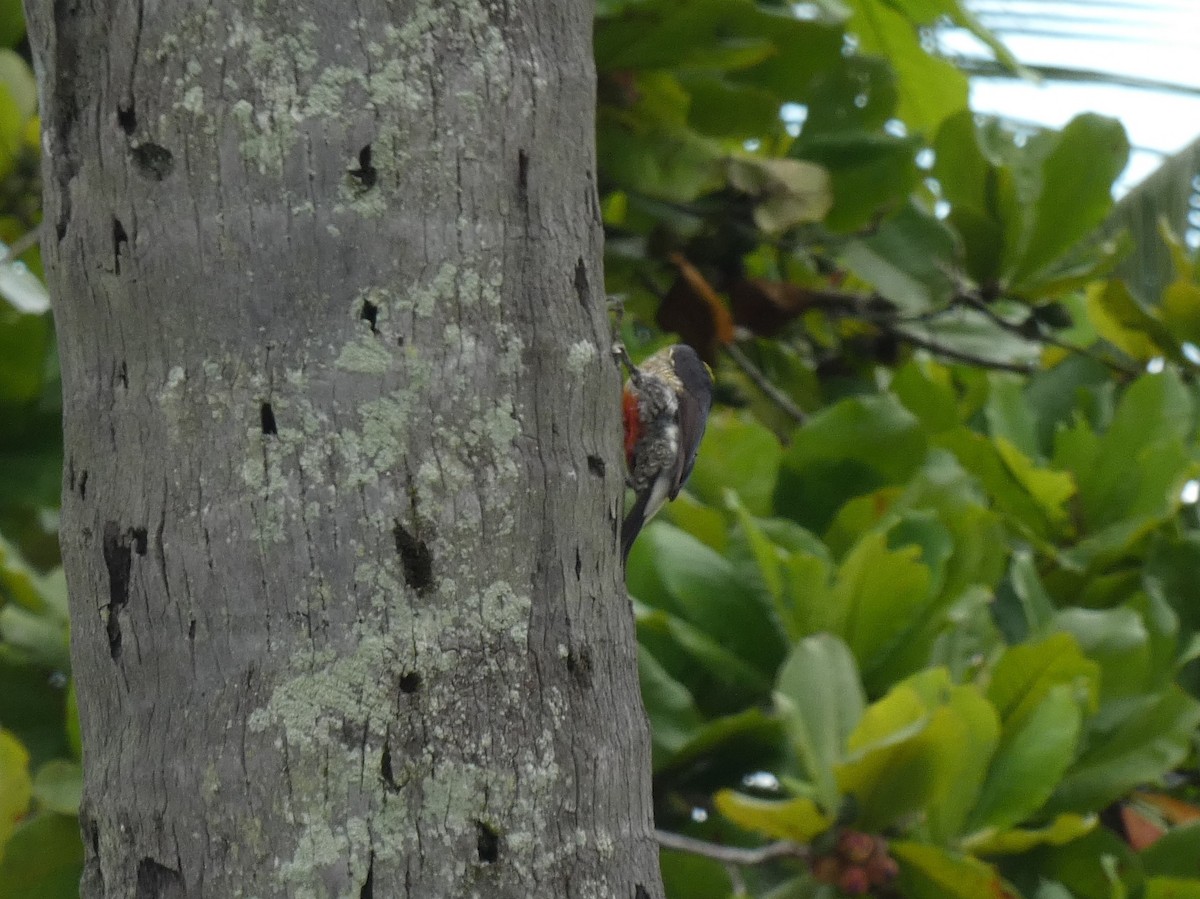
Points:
665	402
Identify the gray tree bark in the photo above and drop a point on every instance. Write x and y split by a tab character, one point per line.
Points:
342	495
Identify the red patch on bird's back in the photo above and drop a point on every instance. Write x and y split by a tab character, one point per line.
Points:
633	423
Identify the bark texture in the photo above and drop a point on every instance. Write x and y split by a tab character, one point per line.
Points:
341	502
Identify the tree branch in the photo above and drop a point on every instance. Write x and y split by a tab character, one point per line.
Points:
974	302
731	855
939	349
773	393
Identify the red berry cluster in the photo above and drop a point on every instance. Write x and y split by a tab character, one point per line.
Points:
857	863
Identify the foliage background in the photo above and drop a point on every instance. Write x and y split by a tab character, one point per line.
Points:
930	605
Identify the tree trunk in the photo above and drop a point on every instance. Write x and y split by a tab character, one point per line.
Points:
343	479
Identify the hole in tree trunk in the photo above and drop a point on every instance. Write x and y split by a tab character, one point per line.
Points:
126	117
156	881
153	161
415	559
369	314
267	419
487	843
366	174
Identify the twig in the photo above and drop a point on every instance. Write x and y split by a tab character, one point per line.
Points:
773	393
1000	321
951	353
731	855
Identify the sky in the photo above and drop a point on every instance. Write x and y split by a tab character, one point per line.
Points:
1155	42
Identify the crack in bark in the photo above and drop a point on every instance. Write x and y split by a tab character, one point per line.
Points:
368	887
63	107
118	559
582	288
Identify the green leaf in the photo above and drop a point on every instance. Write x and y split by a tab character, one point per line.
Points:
858	95
974	187
1010	480
807	578
1172	888
921	748
12	23
649	149
907	259
1023	607
929	872
797	819
1180	311
58	785
1154	414
1063	829
1066	396
766	556
1076	193
982	238
879	595
803	53
685	874
40	639
927	391
871	174
31	707
1141	748
705	654
664	34
17	77
674	718
793	580
1098	864
722	108
1026	674
820	700
930	12
1120	319
847	450
44	859
1119	641
704	589
885	769
725	750
24	345
700	520
960	166
1170	575
1175	854
930	89
737	455
974	729
1011	416
1033	753
1050	489
924	529
16	787
18	582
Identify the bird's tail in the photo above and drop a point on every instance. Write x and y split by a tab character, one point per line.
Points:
632	525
